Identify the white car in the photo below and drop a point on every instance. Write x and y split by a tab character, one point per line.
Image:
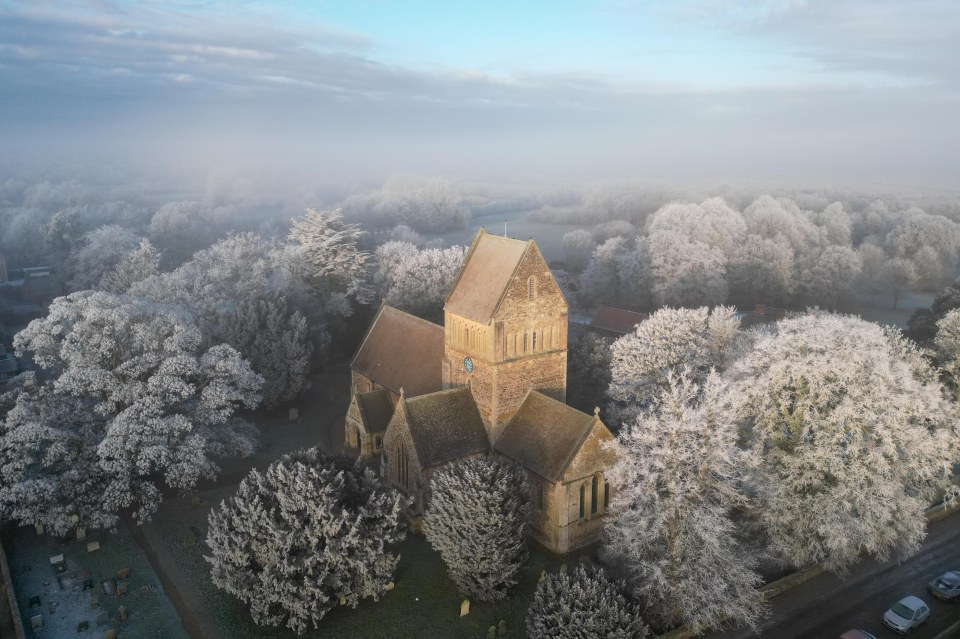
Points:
906	614
946	586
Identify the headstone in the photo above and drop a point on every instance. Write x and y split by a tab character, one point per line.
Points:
294	414
82	626
87	584
122	588
102	618
108	586
39	528
502	629
343	601
122	614
52	608
36	622
93	545
464	607
110	634
56	559
34	601
94	601
81	533
123	573
492	632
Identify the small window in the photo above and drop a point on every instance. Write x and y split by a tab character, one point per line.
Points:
594	494
534	342
583	497
532	288
378	442
524	342
606	495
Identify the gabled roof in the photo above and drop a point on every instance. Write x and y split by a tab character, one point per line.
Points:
616	320
376	409
544	435
445	426
487	270
401	351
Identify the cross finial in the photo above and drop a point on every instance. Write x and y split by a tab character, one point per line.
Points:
596	411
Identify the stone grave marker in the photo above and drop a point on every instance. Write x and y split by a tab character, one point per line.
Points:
39	528
123	573
122	588
93	545
83	625
81	533
122	614
294	414
108	586
464	607
36	622
34	601
52	607
110	634
492	632
502	629
94	601
87	584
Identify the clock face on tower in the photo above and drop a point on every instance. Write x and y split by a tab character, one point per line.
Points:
468	364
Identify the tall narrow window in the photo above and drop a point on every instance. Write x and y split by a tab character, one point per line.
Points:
583	497
594	494
532	288
524	342
534	342
606	495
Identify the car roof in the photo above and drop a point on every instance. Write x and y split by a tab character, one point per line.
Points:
857	634
912	602
953	576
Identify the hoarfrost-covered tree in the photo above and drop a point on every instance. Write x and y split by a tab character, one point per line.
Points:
583	605
851	435
669	341
417	281
831	280
307	535
677	482
947	345
277	344
100	251
762	270
711	222
578	247
685	272
332	247
136	266
898	275
477	521
125	402
601	280
588	372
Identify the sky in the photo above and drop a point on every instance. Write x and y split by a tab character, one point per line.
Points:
838	90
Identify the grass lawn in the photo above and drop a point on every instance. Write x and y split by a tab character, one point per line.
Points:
424	604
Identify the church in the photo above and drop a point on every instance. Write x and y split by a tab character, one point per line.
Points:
492	379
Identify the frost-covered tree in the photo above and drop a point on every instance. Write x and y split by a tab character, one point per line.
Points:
307	535
851	436
669	341
578	247
832	278
584	604
332	248
125	402
99	252
601	280
898	275
678	482
427	203
136	266
947	346
277	345
477	520
685	272
712	222
417	281
588	372
761	270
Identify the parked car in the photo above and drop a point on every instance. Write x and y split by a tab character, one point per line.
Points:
946	586
857	634
906	614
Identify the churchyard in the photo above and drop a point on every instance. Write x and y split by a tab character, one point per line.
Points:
88	587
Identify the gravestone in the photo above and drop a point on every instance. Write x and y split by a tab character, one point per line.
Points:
93	545
464	607
94	601
81	533
502	630
34	601
52	608
82	626
123	573
39	528
122	588
103	618
87	584
108	586
56	559
36	622
294	414
492	632
110	634
122	614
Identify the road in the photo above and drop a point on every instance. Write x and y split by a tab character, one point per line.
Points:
828	605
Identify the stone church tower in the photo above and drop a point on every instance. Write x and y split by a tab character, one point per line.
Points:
505	329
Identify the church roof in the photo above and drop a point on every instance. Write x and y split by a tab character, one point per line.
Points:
445	426
616	320
544	435
486	272
376	409
401	351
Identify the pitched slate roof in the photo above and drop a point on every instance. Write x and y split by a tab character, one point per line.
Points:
401	351
486	271
616	320
445	426
376	409
544	435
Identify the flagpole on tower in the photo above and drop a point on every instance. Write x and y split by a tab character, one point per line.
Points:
504	227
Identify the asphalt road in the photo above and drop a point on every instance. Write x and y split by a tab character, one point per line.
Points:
828	605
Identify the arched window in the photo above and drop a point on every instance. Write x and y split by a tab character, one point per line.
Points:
606	495
524	342
583	497
532	288
594	495
402	475
534	349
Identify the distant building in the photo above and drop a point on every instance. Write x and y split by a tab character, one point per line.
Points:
9	366
491	380
614	323
760	315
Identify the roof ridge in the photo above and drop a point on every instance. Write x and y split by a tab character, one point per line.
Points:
411	315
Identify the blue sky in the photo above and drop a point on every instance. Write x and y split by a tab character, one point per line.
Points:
845	89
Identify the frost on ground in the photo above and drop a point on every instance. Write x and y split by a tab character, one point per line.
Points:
64	603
